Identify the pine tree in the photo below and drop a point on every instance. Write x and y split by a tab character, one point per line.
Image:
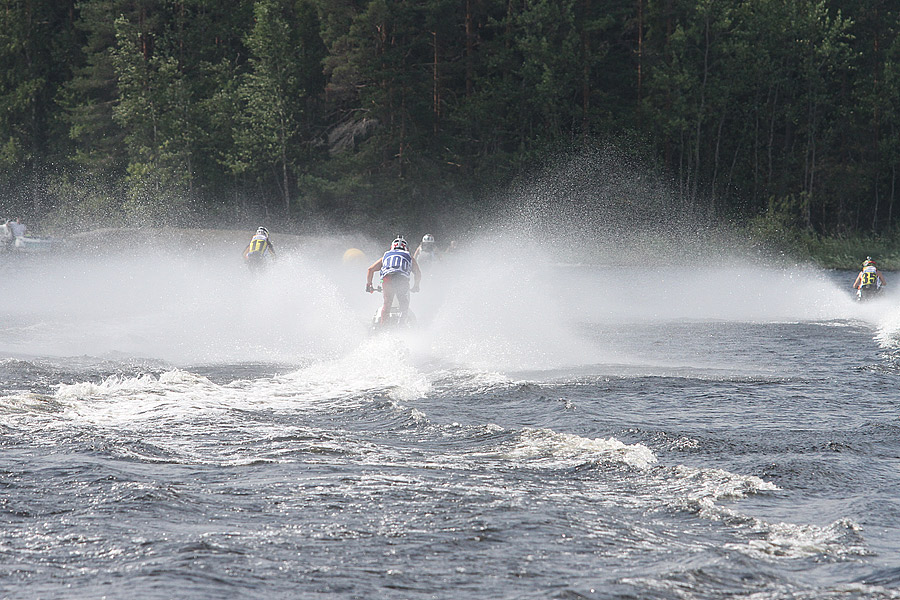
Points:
35	57
285	73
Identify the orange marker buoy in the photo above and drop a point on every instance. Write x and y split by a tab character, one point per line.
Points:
353	256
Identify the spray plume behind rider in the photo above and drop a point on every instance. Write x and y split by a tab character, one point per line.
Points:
395	268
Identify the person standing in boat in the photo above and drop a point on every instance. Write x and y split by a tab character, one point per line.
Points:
16	228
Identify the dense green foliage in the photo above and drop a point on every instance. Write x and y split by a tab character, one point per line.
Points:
337	110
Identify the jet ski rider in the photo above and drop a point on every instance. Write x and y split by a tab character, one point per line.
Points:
259	247
869	276
395	267
426	252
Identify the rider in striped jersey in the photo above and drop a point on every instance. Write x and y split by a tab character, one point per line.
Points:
395	268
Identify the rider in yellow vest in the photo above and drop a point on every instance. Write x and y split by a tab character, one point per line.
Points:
258	248
870	278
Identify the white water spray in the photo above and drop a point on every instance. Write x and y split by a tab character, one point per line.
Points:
591	245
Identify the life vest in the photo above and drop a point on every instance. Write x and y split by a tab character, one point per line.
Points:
396	262
259	243
869	276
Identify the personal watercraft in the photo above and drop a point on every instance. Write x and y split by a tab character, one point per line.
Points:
868	292
394	319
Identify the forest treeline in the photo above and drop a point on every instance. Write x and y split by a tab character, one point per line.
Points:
142	110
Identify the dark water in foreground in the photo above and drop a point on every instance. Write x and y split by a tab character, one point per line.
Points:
679	443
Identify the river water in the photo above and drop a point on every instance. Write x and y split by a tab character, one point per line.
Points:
173	428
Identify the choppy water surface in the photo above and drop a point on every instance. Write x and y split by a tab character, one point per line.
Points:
174	429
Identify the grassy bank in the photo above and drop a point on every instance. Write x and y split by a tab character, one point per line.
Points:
832	252
848	253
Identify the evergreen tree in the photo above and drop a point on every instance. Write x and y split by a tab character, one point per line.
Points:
285	74
87	99
155	112
35	37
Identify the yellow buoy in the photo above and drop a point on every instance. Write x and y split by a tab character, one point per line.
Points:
353	256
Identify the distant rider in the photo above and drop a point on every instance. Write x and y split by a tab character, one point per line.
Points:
17	228
427	250
870	280
259	247
395	267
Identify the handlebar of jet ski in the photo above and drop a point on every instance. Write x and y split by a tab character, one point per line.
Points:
379	289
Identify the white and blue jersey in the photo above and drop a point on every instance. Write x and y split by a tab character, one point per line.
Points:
396	262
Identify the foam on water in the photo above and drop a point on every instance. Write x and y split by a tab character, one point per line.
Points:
368	371
790	540
174	411
699	491
546	448
149	403
885	313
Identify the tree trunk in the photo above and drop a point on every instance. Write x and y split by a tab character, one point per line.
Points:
436	87
586	72
756	154
640	63
284	170
875	210
400	150
893	189
734	160
810	163
715	173
700	112
470	49
771	149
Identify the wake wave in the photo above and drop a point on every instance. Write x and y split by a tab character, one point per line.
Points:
180	417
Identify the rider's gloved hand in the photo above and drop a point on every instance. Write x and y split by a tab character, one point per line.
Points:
415	288
369	288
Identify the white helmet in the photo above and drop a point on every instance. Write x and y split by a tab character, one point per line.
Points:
262	231
399	244
428	239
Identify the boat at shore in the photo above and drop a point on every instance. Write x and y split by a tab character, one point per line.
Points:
23	244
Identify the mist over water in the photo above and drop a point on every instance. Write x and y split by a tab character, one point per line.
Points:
499	300
591	242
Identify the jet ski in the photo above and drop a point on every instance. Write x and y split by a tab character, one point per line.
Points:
394	320
868	292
